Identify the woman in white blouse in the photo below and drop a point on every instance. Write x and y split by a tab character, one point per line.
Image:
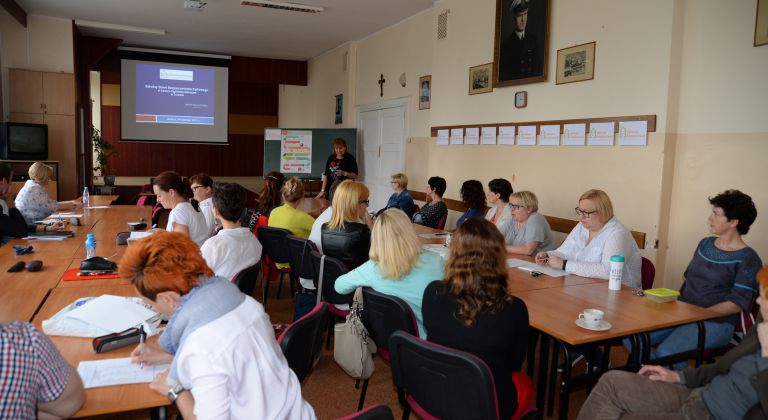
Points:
173	193
500	214
202	191
33	200
225	361
588	248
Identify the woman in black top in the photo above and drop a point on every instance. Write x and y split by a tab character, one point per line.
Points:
347	236
340	166
435	210
470	309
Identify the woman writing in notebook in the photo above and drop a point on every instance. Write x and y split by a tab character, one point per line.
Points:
219	342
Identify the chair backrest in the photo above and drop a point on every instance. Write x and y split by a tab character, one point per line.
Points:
274	243
383	315
302	341
441	382
160	216
301	256
441	223
246	279
647	273
374	412
332	269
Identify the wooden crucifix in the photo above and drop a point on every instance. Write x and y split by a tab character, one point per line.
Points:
381	84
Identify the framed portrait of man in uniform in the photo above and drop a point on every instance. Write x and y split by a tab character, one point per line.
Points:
521	43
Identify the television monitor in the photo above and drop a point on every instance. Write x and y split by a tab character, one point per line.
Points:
21	141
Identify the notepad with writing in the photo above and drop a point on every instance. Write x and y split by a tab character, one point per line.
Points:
531	267
120	371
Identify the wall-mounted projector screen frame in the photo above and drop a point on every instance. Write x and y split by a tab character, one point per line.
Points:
169	97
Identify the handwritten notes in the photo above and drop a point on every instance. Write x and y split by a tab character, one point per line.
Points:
120	371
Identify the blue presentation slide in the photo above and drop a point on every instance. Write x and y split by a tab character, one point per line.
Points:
174	94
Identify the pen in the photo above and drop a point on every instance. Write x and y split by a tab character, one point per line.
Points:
141	345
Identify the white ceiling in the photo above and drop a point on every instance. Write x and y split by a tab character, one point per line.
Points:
226	27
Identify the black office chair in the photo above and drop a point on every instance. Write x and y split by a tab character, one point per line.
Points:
302	341
332	269
274	251
300	251
383	315
246	278
440	382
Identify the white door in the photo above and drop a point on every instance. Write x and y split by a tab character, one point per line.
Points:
382	136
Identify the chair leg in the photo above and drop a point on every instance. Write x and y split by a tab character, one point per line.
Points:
330	332
362	395
406	411
279	283
266	287
357	383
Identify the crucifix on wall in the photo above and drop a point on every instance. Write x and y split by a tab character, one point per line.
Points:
381	84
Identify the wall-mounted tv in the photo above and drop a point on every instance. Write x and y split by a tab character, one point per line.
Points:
21	141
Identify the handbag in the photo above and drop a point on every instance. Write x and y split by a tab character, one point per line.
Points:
353	347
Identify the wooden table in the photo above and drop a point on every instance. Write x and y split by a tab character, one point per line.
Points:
103	400
22	293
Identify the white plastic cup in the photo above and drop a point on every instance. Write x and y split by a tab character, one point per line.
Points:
617	269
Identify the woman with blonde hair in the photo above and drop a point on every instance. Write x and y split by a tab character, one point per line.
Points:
398	265
219	342
530	233
401	198
33	200
288	216
347	236
588	249
471	309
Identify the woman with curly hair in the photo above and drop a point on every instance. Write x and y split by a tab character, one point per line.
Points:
219	342
473	196
471	310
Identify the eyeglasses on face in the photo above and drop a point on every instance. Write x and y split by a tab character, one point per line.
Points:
194	188
516	206
366	202
584	213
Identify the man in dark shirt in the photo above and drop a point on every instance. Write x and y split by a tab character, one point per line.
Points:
519	53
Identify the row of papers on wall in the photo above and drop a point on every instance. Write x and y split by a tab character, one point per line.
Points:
631	133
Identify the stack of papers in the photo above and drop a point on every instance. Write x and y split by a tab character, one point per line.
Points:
531	267
94	317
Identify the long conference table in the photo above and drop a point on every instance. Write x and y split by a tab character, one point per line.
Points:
553	302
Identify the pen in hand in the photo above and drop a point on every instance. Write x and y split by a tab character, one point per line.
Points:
141	345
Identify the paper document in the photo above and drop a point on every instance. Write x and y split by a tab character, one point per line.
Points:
120	371
63	215
531	267
433	235
46	238
439	249
139	235
112	313
97	207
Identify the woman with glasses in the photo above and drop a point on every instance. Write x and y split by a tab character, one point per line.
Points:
202	191
530	233
401	198
347	236
589	247
499	214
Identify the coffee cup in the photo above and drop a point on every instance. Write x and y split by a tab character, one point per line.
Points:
592	317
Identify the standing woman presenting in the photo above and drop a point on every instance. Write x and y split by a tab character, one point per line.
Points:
340	166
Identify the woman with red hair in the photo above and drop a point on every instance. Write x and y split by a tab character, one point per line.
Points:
220	342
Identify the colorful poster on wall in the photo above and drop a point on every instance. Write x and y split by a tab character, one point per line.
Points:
296	151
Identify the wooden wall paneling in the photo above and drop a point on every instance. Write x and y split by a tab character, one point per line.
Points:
27	118
62	148
25	91
59	93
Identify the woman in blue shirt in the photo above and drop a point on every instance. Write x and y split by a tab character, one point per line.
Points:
473	196
401	198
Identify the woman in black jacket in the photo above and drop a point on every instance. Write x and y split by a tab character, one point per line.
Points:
347	236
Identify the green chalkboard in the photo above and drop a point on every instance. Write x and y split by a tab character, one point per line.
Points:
322	139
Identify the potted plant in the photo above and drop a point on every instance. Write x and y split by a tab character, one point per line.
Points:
104	150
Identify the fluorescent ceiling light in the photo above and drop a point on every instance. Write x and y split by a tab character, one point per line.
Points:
294	7
115	27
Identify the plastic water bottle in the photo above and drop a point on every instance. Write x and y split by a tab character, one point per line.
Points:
617	269
90	245
86	197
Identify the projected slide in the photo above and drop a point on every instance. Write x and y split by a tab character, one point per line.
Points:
174	94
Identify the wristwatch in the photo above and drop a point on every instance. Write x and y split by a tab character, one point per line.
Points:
174	391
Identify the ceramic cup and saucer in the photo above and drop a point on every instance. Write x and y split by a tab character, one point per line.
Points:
592	319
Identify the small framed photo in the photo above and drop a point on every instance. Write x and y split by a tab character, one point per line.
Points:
480	79
425	92
576	64
339	108
761	23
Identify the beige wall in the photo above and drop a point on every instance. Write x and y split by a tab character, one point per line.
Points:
667	58
45	44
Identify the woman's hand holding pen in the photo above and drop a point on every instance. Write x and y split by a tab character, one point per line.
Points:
148	355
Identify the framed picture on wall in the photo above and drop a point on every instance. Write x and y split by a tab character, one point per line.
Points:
480	79
576	64
761	23
339	108
425	92
521	42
